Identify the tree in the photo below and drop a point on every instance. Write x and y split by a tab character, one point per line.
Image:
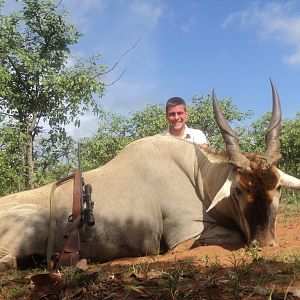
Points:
290	145
116	131
202	117
290	150
111	137
54	158
254	136
149	121
36	83
11	159
254	141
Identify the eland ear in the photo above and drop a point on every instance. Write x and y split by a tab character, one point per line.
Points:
223	193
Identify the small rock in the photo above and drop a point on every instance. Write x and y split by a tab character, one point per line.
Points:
296	293
82	264
259	290
8	262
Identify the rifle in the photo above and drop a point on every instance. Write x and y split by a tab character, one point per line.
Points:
82	213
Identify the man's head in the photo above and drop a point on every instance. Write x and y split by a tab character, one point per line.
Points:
175	101
176	115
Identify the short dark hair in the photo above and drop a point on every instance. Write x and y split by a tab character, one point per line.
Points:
175	101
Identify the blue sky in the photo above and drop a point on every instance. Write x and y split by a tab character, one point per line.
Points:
189	47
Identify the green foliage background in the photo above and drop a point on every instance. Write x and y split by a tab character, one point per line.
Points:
39	88
58	158
40	93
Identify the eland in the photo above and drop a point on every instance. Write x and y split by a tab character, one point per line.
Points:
159	190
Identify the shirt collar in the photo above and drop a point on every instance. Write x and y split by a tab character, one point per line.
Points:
186	135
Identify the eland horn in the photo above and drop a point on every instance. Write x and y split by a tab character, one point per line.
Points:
289	181
273	132
232	145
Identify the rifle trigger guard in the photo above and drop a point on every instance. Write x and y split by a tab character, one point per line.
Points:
70	218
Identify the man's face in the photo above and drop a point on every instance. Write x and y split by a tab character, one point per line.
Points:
176	116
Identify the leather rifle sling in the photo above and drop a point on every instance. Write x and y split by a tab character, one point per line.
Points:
71	252
53	216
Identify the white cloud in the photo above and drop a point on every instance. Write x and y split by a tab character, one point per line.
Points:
147	11
188	25
294	59
79	9
274	21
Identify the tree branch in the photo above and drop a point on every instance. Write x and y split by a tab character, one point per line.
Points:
17	72
117	62
48	39
122	55
120	76
9	115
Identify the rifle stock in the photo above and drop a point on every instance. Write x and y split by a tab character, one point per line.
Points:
71	252
81	197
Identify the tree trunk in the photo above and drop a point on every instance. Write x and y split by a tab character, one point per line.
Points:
30	174
29	178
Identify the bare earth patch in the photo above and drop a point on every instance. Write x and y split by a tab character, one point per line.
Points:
207	272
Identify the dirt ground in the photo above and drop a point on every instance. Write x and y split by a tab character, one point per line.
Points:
206	272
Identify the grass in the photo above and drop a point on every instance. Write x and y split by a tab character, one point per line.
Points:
291	260
140	270
13	292
237	261
206	259
289	206
15	283
174	280
253	252
78	278
233	283
206	277
215	265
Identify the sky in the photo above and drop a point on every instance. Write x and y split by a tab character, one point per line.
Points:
189	47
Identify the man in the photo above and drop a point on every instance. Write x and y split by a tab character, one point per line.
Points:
177	116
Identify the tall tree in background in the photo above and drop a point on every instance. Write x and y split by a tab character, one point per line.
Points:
254	139
112	136
37	87
117	131
11	159
202	117
290	145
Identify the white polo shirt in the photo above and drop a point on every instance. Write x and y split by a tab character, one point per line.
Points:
194	135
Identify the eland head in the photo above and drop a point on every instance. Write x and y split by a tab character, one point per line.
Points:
255	182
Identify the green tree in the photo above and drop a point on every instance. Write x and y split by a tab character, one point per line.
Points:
290	145
290	150
111	137
252	138
36	83
54	158
149	121
11	159
254	141
116	131
202	117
